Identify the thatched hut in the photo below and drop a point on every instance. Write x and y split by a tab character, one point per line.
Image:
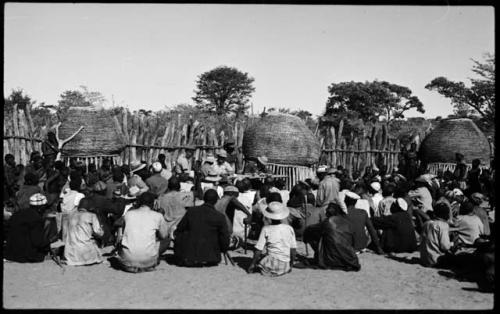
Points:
453	136
287	142
99	136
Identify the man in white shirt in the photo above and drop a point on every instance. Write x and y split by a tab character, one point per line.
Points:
184	163
222	167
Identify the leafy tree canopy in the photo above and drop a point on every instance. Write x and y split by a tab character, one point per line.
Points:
478	98
371	101
224	90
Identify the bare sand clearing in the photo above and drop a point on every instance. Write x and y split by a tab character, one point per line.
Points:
382	283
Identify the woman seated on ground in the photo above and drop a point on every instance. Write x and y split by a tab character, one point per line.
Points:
80	247
278	239
398	232
26	242
467	227
140	248
332	241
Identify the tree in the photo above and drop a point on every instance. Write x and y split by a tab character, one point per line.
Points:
18	97
224	90
371	101
480	96
77	98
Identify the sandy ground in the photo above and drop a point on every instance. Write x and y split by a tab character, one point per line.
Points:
382	283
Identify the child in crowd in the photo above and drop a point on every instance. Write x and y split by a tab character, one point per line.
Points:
279	241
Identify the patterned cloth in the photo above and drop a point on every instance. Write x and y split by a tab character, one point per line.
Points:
273	267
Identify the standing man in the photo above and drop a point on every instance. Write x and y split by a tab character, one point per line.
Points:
328	190
50	147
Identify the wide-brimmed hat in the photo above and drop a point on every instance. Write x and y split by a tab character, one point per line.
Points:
276	211
38	199
99	186
222	153
210	159
331	170
322	169
133	192
136	165
375	186
263	160
157	167
402	204
231	188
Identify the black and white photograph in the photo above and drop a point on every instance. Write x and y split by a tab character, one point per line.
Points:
256	156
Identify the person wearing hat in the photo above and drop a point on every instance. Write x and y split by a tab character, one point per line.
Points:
362	227
184	162
228	204
328	190
256	165
374	189
144	229
278	239
211	181
421	194
80	247
157	183
201	235
222	167
232	156
208	165
138	174
26	242
332	241
398	234
29	188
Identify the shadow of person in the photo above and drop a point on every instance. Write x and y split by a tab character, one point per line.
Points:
242	261
169	258
406	260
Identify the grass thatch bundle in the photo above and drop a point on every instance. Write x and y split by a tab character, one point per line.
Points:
455	136
283	139
99	136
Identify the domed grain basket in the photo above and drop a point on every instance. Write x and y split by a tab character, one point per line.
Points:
454	136
99	136
287	142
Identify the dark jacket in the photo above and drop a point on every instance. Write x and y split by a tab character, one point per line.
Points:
398	232
359	220
201	236
26	242
336	249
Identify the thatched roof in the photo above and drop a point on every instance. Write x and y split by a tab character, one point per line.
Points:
99	136
283	139
452	136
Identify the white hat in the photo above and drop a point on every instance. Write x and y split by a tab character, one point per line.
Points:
322	168
38	199
157	167
376	186
402	204
210	159
133	192
351	194
136	165
457	192
276	211
274	190
263	160
222	153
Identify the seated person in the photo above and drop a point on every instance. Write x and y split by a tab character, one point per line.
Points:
140	248
26	242
435	242
29	188
361	224
336	237
228	204
157	183
201	235
467	226
279	241
398	232
80	247
222	167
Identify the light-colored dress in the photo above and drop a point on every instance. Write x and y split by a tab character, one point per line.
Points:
80	247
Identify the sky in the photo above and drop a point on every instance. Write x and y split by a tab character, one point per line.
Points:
150	55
